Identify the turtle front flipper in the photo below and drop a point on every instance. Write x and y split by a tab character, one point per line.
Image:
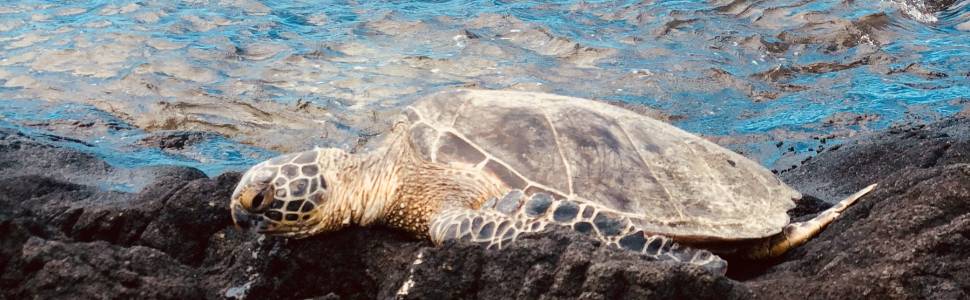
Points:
501	220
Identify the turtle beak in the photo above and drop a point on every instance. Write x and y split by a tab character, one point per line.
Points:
243	219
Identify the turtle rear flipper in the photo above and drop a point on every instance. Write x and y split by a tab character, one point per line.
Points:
501	220
796	234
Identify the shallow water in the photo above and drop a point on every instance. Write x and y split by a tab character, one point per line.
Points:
278	76
85	128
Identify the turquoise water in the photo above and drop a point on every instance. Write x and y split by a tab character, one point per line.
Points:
748	74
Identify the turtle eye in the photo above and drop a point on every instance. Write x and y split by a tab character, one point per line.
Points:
259	202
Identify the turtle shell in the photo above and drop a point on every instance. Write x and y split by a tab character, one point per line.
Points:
667	180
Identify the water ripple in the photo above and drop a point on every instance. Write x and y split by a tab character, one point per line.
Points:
288	75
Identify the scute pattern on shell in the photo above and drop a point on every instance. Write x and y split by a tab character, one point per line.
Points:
666	180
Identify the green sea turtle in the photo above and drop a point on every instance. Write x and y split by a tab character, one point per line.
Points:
488	166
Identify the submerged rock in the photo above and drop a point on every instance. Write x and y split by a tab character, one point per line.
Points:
175	140
62	236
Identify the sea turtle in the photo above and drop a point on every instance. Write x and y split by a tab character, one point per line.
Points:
488	166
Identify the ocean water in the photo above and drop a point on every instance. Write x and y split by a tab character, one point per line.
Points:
777	80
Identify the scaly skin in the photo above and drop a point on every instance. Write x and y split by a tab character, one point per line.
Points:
389	186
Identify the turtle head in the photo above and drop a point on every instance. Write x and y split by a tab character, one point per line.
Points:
285	195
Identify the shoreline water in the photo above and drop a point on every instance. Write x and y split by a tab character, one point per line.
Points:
287	77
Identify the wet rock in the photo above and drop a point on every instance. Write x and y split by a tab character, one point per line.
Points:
90	126
837	35
807	207
19	156
354	263
249	6
262	51
931	6
843	119
840	171
57	269
724	78
390	25
175	140
541	40
783	73
189	216
916	69
560	264
47	155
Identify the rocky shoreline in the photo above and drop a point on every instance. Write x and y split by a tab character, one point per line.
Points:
63	235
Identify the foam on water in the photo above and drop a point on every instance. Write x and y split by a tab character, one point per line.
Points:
288	75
